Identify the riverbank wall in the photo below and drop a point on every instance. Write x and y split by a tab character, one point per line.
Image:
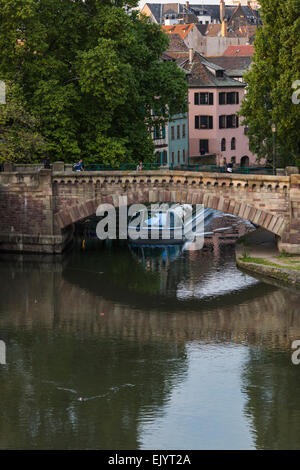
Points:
257	253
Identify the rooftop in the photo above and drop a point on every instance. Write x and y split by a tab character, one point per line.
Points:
159	10
235	51
204	73
181	29
235	66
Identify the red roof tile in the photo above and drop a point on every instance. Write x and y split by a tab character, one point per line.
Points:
181	29
239	51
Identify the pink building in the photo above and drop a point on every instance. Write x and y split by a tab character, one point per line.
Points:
214	127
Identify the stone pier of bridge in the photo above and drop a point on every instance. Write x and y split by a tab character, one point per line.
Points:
39	207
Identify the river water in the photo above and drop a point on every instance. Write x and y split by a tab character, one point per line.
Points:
127	348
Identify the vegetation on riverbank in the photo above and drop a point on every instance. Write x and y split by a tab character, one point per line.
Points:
249	259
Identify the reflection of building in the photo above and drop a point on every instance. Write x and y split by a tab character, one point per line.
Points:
58	355
60	348
129	360
272	393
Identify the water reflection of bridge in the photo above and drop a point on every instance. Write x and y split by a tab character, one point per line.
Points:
257	314
57	332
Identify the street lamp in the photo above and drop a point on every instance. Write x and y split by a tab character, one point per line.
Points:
274	148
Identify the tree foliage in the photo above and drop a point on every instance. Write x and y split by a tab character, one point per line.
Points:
275	67
20	140
91	73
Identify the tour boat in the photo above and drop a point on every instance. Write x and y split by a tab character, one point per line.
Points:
171	225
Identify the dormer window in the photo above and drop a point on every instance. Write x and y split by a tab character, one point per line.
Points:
220	73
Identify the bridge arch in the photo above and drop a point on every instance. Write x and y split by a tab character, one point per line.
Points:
229	205
39	207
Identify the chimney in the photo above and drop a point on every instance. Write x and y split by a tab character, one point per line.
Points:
222	11
224	29
191	54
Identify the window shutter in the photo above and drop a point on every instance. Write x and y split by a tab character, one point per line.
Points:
210	122
196	98
237	121
211	98
197	122
237	98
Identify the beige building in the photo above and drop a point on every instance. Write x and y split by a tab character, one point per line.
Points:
252	3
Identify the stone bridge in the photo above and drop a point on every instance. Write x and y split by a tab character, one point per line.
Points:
39	208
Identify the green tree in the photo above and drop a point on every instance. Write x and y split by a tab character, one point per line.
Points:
91	73
20	140
275	67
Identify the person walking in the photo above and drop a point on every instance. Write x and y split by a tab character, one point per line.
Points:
229	168
78	166
47	163
139	167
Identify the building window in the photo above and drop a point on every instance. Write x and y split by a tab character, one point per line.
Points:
172	132
229	98
228	122
232	121
183	130
178	156
178	132
222	98
222	122
156	135
159	132
158	158
165	157
232	98
233	160
223	145
233	143
183	155
173	158
203	146
203	98
203	122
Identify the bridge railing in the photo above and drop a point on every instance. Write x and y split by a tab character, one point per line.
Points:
222	169
123	167
197	168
